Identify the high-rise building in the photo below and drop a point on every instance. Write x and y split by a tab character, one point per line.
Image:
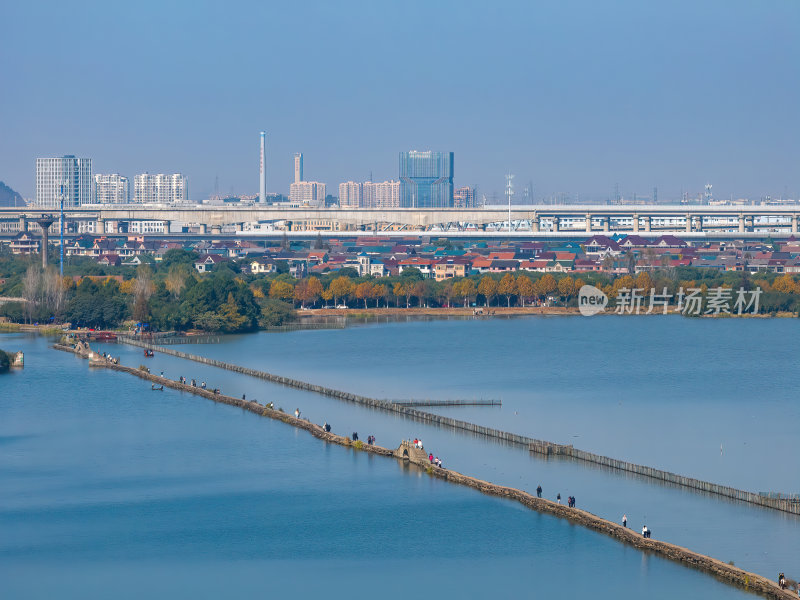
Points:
298	167
350	194
385	194
111	189
464	197
308	193
426	179
68	176
160	189
262	173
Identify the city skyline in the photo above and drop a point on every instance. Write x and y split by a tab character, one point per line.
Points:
574	98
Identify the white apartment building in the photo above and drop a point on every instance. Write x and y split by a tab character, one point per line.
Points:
385	194
308	193
350	194
147	227
65	175
111	189
160	189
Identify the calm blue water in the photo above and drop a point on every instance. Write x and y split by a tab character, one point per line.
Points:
552	391
112	490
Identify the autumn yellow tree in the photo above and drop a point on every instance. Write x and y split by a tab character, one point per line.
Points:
487	288
314	289
566	287
380	292
464	289
300	292
507	287
399	290
341	287
625	281
644	282
785	284
363	291
524	288
281	290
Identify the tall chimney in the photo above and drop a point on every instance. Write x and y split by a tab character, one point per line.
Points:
262	192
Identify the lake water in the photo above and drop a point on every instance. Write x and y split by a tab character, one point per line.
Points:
112	490
664	392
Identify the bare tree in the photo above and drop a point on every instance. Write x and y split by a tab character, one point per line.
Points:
143	288
176	280
54	292
31	290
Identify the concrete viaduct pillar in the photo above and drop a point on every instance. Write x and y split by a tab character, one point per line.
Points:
203	228
647	224
555	224
635	223
688	223
588	223
741	223
100	226
748	223
239	226
23	223
606	224
535	223
794	223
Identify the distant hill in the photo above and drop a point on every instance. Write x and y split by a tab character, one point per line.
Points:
9	197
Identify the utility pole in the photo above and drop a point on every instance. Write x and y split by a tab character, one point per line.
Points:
61	232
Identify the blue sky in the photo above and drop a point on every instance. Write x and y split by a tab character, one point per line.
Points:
572	95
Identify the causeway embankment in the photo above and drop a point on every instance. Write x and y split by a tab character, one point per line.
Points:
790	505
406	452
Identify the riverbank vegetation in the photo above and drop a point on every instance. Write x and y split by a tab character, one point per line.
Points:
171	295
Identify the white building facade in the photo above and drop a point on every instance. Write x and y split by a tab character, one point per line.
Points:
160	189
350	194
385	194
308	193
65	175
111	189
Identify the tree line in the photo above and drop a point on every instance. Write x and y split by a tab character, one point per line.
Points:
171	295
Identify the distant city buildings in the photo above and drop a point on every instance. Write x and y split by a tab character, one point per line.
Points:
369	194
464	197
385	194
111	189
308	193
350	194
68	176
426	179
160	189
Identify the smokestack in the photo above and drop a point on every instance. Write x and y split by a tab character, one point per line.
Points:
262	192
298	167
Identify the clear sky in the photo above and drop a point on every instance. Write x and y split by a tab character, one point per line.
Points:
572	95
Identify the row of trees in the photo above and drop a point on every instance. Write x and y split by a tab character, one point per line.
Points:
510	288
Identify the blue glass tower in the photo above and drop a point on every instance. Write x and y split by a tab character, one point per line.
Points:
426	179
